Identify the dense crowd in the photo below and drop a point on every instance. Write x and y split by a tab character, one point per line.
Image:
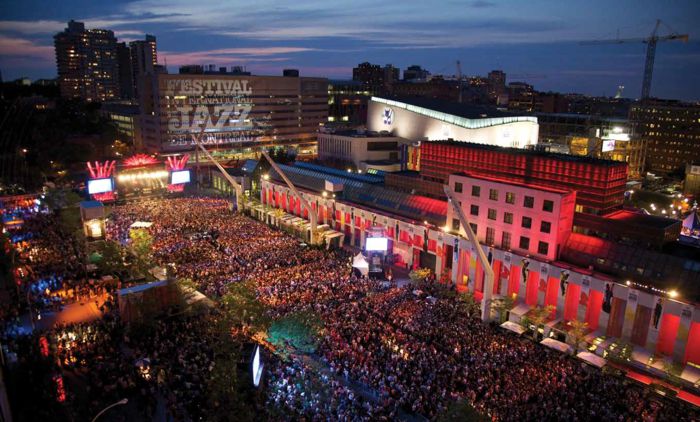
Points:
413	352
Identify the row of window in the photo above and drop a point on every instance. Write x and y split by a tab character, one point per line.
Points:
545	226
524	243
528	201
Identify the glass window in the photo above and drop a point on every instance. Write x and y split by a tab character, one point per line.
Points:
490	235
492	214
527	222
510	198
545	227
474	228
493	194
529	202
505	240
476	190
548	205
474	210
458	187
455	224
524	243
543	248
508	217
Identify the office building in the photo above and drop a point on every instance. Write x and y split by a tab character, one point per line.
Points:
529	219
144	59
360	149
415	73
242	113
87	63
672	132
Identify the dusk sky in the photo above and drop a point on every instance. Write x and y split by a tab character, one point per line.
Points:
327	38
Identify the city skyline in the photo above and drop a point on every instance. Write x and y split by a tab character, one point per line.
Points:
538	41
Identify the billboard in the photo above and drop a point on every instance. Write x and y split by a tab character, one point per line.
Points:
179	177
376	244
608	145
100	186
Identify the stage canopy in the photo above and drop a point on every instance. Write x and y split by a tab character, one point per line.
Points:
360	263
692	221
516	328
557	345
141	225
593	359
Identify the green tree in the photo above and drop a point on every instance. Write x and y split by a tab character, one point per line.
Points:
141	248
241	308
468	304
299	330
502	305
419	275
538	316
577	332
113	257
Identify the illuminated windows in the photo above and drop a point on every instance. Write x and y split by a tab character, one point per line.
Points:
510	198
529	202
505	240
490	235
476	191
492	214
508	217
493	194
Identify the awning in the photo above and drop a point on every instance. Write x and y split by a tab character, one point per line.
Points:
516	328
593	359
360	263
141	225
520	310
691	374
557	345
641	355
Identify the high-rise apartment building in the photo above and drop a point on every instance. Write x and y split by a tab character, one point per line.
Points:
87	63
126	79
672	131
144	58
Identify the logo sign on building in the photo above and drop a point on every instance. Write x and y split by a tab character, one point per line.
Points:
608	145
388	116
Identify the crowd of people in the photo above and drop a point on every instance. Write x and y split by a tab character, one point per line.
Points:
415	352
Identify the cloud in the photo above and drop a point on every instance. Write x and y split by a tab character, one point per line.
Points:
228	56
20	47
33	27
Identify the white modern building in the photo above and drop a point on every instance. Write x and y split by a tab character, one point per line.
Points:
361	148
426	119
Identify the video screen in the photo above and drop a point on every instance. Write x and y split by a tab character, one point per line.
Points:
179	177
376	244
100	186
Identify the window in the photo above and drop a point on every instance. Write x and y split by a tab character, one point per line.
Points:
524	243
382	146
529	202
505	240
458	187
542	248
508	217
474	227
474	210
545	227
510	198
476	191
492	214
493	194
455	224
527	222
548	205
490	235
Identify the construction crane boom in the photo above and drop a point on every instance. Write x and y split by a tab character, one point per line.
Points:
238	188
651	42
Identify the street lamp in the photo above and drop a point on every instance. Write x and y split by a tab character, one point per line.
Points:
122	401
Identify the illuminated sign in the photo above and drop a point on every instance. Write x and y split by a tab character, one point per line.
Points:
100	186
179	177
608	145
257	367
388	116
376	244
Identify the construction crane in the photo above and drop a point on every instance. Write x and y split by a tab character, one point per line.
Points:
620	88
651	51
485	264
459	80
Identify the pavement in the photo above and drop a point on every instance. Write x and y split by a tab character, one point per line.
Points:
76	312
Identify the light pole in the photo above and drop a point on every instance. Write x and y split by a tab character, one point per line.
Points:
122	401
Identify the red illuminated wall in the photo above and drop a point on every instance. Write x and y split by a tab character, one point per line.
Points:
573	295
692	348
599	184
595	305
668	328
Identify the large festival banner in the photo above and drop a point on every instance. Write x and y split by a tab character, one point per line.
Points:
585	283
505	272
657	310
683	333
630	312
542	284
524	266
561	280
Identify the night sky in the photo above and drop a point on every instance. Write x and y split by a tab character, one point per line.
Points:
538	39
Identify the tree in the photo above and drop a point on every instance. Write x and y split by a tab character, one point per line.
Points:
577	332
113	256
468	304
538	316
419	275
502	305
141	243
298	330
242	309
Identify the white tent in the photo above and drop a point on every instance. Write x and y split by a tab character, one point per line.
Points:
557	345
516	328
141	225
360	263
593	359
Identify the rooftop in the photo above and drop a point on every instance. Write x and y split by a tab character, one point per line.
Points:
509	182
641	220
468	111
531	153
